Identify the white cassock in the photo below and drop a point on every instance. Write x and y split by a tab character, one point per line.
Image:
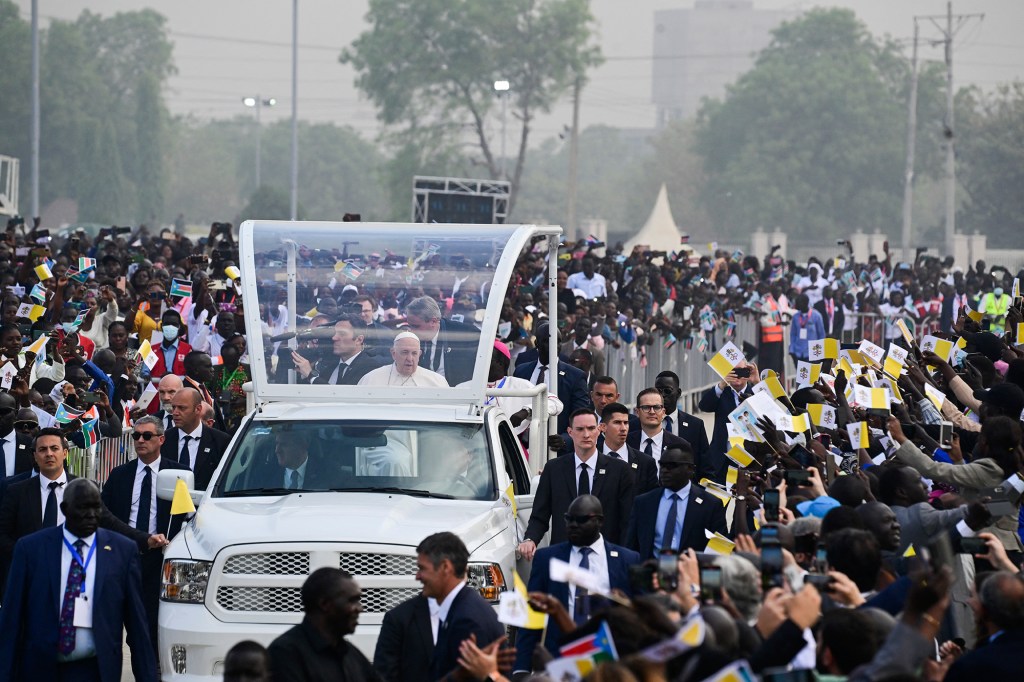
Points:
388	376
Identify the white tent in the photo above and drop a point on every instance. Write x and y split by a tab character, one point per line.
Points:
660	232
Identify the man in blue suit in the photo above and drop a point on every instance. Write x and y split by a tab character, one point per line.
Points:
585	548
441	563
72	589
675	515
722	399
130	495
572	383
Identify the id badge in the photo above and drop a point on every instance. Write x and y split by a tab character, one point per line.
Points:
83	613
803	333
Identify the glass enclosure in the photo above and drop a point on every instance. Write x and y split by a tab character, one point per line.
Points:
449	461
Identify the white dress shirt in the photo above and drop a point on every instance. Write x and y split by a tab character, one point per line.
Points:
622	452
446	604
44	493
656	443
591	288
10	450
193	449
85	645
598	566
140	475
435	618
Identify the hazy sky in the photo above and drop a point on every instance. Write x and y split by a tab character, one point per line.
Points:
226	49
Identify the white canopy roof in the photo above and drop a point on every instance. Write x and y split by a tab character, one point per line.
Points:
660	232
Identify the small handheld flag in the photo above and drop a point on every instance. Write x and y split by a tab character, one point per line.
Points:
182	501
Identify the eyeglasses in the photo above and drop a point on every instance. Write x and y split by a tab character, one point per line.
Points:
579	520
144	435
650	408
675	465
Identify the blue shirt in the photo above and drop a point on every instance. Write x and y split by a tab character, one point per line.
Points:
663	507
810	322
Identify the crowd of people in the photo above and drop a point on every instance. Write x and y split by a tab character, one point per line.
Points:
855	509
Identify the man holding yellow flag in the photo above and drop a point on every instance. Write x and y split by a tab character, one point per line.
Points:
130	494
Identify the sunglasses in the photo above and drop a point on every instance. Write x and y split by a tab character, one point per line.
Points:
26	425
579	520
675	465
145	435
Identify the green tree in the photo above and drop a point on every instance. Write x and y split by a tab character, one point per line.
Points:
812	138
15	84
990	153
431	65
268	203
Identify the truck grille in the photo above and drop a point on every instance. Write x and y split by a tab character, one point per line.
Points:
267	584
277	563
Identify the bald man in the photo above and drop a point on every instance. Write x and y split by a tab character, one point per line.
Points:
192	442
405	370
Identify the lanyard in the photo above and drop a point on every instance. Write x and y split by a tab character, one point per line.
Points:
490	399
84	563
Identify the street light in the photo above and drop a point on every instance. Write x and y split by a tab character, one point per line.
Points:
502	88
258	102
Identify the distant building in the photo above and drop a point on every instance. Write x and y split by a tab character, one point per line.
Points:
697	52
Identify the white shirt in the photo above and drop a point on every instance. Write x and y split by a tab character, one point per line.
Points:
10	449
44	493
591	463
592	288
388	376
302	475
140	475
446	604
84	643
435	618
622	452
193	449
656	441
598	566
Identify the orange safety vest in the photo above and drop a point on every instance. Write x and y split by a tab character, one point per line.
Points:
773	333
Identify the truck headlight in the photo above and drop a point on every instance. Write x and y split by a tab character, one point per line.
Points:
486	579
185	580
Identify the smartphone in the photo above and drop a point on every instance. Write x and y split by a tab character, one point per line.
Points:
821	559
818	580
802	456
121	283
90	398
825	439
784	675
999	503
710	584
771	566
771	505
668	570
973	546
946	434
741	372
796	477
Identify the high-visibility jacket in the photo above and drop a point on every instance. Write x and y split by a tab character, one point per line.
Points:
996	308
771	330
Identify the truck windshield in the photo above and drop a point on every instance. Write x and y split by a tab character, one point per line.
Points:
449	461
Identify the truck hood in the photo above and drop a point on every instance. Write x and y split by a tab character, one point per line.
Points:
373	518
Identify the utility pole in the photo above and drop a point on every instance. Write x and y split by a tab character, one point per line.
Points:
908	175
294	212
949	31
574	149
35	110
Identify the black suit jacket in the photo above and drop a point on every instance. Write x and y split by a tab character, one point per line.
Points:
703	511
21	514
212	445
572	389
1001	659
117	495
716	465
458	343
405	646
691	429
469	614
834	330
645	469
361	364
23	458
611	481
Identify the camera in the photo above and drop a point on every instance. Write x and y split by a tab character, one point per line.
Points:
741	372
973	546
115	230
198	260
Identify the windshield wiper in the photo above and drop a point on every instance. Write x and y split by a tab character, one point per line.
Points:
252	492
403	491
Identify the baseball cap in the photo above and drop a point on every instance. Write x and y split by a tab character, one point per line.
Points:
818	507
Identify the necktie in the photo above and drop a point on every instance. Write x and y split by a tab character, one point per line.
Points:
668	424
76	580
584	486
670	523
50	513
342	368
170	423
293	480
612	453
649	449
186	451
424	354
145	500
581	608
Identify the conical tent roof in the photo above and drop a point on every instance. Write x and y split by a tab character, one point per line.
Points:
660	232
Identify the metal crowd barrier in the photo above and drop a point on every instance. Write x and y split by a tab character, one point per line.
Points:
96	462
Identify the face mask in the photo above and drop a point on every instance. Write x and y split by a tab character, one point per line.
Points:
170	332
998	291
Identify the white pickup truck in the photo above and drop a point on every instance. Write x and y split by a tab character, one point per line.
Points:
385	466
